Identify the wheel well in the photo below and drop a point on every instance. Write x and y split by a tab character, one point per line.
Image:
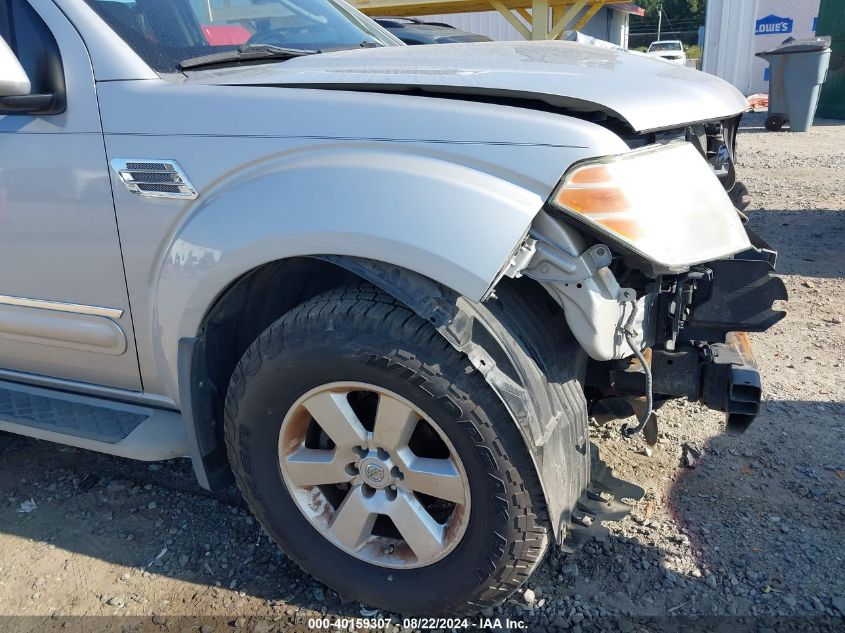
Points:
517	368
261	296
244	310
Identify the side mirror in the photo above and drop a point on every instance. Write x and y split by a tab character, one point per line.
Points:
16	90
13	79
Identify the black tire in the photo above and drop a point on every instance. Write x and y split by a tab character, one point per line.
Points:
337	336
774	122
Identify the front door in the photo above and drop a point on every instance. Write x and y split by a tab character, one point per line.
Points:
64	311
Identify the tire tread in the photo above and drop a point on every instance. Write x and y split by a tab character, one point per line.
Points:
364	307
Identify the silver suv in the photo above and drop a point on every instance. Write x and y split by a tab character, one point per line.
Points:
382	287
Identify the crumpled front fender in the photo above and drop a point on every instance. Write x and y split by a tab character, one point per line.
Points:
446	221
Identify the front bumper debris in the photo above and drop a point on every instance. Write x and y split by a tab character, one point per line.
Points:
703	353
732	382
722	376
732	295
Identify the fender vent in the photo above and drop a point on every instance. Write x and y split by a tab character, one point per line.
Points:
155	178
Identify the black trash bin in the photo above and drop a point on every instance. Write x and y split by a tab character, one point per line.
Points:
797	70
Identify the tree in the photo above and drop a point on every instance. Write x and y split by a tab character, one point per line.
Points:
675	9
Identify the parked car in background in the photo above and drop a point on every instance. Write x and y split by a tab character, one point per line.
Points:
670	50
415	31
381	287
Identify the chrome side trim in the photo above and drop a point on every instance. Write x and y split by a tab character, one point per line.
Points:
154	178
83	332
60	306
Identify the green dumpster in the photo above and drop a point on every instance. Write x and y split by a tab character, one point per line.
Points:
832	22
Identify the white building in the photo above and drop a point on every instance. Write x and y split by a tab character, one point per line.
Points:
738	29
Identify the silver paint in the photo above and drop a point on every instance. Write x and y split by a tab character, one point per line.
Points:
289	176
58	234
283	169
648	93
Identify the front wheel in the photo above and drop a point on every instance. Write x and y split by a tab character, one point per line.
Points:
381	461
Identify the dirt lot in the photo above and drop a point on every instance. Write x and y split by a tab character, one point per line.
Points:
755	529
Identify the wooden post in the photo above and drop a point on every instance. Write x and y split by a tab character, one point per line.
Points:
540	19
557	12
525	13
589	15
567	17
510	17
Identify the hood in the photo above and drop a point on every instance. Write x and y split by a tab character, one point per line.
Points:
649	94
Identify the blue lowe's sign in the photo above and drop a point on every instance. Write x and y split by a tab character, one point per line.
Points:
773	25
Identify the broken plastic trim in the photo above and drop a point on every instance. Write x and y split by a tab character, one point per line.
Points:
454	317
517	379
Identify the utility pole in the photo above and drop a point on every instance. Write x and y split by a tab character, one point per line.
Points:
659	20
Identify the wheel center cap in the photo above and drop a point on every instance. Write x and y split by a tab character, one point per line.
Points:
375	473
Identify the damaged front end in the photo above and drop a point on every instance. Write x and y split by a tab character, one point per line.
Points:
643	278
699	348
659	281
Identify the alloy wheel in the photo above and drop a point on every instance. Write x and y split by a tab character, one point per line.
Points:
374	475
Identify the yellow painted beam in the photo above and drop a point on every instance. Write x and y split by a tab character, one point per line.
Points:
525	13
540	19
567	17
589	15
510	17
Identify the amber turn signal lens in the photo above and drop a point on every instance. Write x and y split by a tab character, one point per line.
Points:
593	200
593	191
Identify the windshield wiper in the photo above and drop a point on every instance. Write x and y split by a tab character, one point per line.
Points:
351	47
245	53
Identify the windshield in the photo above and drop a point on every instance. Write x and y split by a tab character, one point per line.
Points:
664	46
167	32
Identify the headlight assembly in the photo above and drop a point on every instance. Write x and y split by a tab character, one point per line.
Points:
662	202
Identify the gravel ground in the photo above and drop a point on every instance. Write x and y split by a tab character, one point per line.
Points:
754	530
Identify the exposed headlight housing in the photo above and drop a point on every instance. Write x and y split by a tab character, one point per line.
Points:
662	202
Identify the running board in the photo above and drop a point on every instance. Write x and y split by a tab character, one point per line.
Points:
105	426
